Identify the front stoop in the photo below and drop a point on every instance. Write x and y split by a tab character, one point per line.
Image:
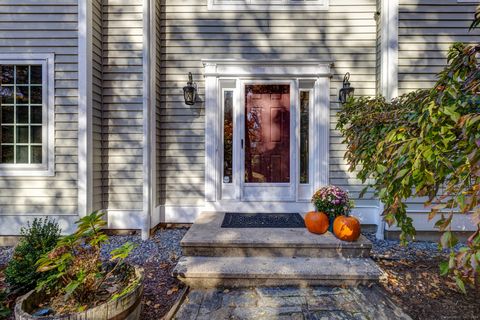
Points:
227	257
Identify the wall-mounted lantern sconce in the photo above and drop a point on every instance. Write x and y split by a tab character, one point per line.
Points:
347	91
190	91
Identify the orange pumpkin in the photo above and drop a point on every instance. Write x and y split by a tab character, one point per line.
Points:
316	222
346	228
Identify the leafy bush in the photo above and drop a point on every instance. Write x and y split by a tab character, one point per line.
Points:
4	311
333	201
425	144
38	238
78	278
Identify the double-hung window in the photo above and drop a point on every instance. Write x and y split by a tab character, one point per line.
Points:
268	5
26	114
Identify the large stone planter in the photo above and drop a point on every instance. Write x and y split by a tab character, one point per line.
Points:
127	307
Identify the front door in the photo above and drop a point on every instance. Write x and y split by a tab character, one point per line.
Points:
267	142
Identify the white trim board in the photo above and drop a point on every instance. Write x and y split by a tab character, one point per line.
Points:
148	102
188	214
85	156
11	225
265	5
389	49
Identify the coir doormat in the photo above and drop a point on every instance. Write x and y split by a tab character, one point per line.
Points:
262	220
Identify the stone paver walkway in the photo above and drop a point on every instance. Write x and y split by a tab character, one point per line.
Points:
289	303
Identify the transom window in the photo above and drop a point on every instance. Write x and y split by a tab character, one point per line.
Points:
26	114
268	5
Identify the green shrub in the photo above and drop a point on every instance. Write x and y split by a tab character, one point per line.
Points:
4	311
77	274
37	239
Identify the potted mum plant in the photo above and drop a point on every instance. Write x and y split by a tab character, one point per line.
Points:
80	284
332	201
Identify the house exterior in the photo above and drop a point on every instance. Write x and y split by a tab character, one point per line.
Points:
93	115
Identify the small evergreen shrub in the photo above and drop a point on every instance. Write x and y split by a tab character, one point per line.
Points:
37	239
4	311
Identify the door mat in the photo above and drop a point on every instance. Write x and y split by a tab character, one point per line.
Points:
262	220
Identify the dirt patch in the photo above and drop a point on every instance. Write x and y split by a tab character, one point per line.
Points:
161	290
416	286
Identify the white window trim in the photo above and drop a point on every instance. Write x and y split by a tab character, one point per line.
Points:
47	168
269	5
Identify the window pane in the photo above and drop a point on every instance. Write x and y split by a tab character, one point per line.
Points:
36	114
22	74
7	95
22	114
20	122
36	134
7	114
7	134
22	95
36	74
22	154
6	74
7	154
228	136
304	135
267	133
22	134
36	95
36	154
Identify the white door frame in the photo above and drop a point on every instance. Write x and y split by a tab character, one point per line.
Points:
239	71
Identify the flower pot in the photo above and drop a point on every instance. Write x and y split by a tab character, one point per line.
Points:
330	223
127	307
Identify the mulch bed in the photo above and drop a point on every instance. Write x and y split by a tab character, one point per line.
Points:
413	282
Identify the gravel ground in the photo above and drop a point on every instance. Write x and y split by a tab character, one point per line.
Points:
5	255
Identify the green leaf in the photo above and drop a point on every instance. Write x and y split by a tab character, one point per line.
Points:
122	252
444	268
460	284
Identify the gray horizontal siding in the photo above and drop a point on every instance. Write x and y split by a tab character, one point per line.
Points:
97	104
46	26
426	30
122	118
346	33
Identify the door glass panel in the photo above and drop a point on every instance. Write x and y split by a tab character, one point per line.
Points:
227	136
267	133
304	118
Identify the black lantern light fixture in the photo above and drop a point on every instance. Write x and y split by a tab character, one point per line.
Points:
190	91
347	91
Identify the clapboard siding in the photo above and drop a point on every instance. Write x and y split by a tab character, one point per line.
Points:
346	33
426	31
159	33
97	105
46	26
122	121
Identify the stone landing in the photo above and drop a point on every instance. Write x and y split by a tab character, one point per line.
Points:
228	257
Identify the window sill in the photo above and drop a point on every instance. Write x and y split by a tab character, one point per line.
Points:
27	172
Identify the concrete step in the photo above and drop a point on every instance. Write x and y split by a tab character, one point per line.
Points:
207	238
209	272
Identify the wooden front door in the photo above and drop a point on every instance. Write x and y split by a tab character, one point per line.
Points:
267	133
